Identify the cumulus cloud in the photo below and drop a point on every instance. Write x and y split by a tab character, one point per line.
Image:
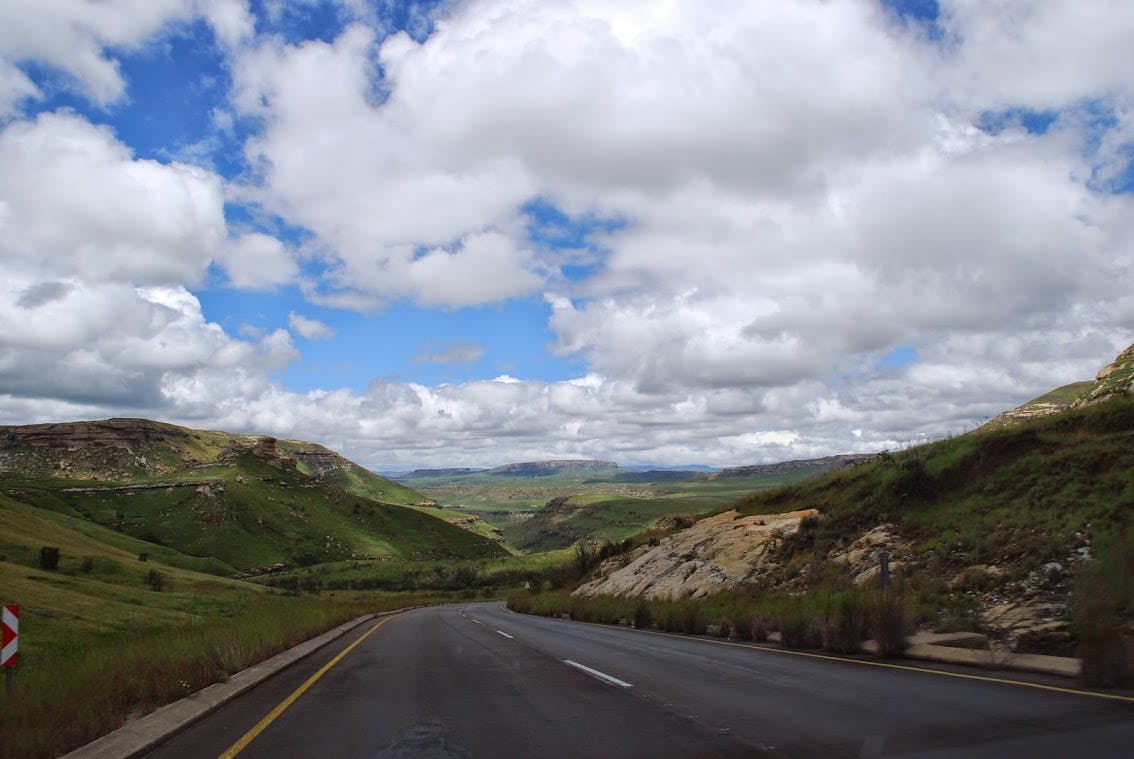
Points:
115	344
799	188
257	261
312	329
15	88
81	38
74	202
73	37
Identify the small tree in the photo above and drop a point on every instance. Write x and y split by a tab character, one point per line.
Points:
586	556
155	579
49	558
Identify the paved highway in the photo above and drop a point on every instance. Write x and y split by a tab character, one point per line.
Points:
479	681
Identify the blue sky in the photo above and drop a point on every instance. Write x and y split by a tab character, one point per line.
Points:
449	234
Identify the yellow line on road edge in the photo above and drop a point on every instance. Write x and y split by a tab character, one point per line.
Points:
885	665
250	736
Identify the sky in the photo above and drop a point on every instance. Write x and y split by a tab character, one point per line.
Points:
664	233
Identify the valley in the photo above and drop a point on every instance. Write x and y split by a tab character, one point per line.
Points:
167	558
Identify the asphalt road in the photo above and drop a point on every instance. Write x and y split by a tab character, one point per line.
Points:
479	681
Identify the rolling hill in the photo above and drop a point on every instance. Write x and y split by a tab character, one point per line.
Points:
996	529
228	502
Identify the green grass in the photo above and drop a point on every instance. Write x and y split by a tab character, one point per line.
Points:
604	505
838	619
1014	497
489	577
252	514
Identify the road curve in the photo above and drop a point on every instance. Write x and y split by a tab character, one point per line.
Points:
479	681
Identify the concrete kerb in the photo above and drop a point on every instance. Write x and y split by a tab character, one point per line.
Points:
988	659
141	735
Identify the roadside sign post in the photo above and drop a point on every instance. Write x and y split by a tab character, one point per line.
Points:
9	643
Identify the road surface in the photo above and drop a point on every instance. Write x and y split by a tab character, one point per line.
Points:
479	681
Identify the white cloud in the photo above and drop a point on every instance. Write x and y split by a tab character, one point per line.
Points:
15	88
74	202
456	353
115	344
801	187
1043	54
74	36
312	329
256	261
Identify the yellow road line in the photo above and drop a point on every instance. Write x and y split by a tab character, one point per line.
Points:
250	736
885	665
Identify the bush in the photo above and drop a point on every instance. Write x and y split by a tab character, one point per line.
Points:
49	558
800	625
87	565
846	624
1101	649
890	624
1104	599
643	614
155	579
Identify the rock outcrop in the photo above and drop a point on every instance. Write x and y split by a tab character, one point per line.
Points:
321	461
716	553
1114	381
107	449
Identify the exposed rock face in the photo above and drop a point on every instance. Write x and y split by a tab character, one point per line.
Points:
107	449
264	448
714	554
861	558
320	460
1115	381
70	436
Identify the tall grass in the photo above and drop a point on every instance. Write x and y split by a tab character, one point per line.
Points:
838	620
1103	606
63	700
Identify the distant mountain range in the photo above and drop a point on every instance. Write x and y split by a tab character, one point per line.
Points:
618	473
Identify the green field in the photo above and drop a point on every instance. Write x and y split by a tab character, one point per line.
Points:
554	511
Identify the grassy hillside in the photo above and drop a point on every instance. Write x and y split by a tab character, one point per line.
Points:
625	504
317	461
232	502
1017	497
158	629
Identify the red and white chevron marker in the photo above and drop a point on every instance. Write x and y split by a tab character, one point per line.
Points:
10	638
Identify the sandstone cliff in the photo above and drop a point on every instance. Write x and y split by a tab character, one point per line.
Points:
1114	381
716	553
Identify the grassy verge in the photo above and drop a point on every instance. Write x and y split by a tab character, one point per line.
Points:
837	620
61	699
485	577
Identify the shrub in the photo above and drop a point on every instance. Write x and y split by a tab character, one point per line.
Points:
800	625
1104	597
890	624
643	614
49	558
87	565
155	579
846	623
